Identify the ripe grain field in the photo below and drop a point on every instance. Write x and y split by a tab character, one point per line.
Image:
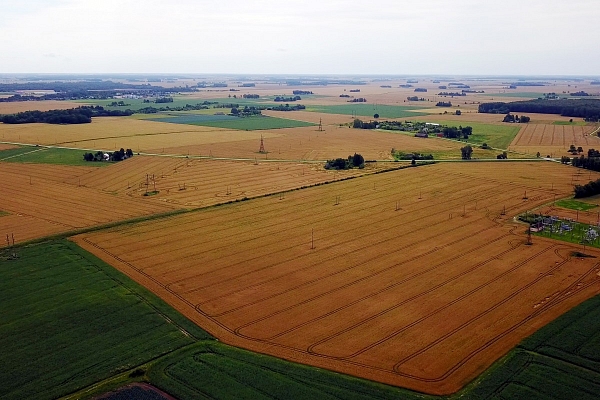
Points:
413	277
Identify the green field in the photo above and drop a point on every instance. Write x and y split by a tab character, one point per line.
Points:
497	136
575	205
46	155
238	123
560	361
576	123
218	371
69	320
368	110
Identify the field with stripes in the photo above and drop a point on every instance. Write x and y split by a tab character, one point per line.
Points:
418	277
554	140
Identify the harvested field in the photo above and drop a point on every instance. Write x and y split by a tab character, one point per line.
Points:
7	146
551	139
412	277
195	183
40	203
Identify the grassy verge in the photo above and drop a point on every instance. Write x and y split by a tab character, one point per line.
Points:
575	123
46	155
575	205
368	110
70	320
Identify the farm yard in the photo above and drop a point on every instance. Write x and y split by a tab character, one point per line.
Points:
339	276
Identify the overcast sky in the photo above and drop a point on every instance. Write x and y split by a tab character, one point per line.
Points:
503	37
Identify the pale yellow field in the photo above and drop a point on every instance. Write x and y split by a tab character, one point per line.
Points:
46	105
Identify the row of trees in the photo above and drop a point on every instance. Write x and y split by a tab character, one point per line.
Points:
302	92
250	96
589	109
589	189
415	98
79	115
118	155
443	104
592	163
282	98
358	100
246	111
355	161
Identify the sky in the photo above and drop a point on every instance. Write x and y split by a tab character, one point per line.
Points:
397	37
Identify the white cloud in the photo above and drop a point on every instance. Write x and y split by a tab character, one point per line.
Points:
379	36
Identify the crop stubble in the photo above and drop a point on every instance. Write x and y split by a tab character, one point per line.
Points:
423	297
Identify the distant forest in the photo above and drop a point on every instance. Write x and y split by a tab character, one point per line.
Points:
589	109
82	90
80	115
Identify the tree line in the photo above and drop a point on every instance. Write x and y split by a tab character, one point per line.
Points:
79	115
589	109
523	119
589	189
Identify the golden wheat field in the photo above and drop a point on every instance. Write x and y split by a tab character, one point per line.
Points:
412	277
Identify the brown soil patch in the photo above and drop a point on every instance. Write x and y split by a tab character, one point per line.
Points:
412	278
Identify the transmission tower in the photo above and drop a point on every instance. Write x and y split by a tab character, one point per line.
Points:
320	125
262	145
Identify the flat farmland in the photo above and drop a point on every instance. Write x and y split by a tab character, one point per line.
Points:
412	277
200	183
554	139
40	203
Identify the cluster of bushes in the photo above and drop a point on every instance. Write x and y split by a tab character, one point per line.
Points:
452	94
580	94
355	161
250	96
162	100
281	98
523	119
466	152
344	95
118	155
589	189
118	104
502	156
79	115
302	92
287	107
415	98
246	111
589	109
420	90
359	124
358	100
443	104
399	155
453	132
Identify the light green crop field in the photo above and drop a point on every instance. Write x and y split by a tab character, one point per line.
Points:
70	320
45	155
575	205
575	123
497	136
525	95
